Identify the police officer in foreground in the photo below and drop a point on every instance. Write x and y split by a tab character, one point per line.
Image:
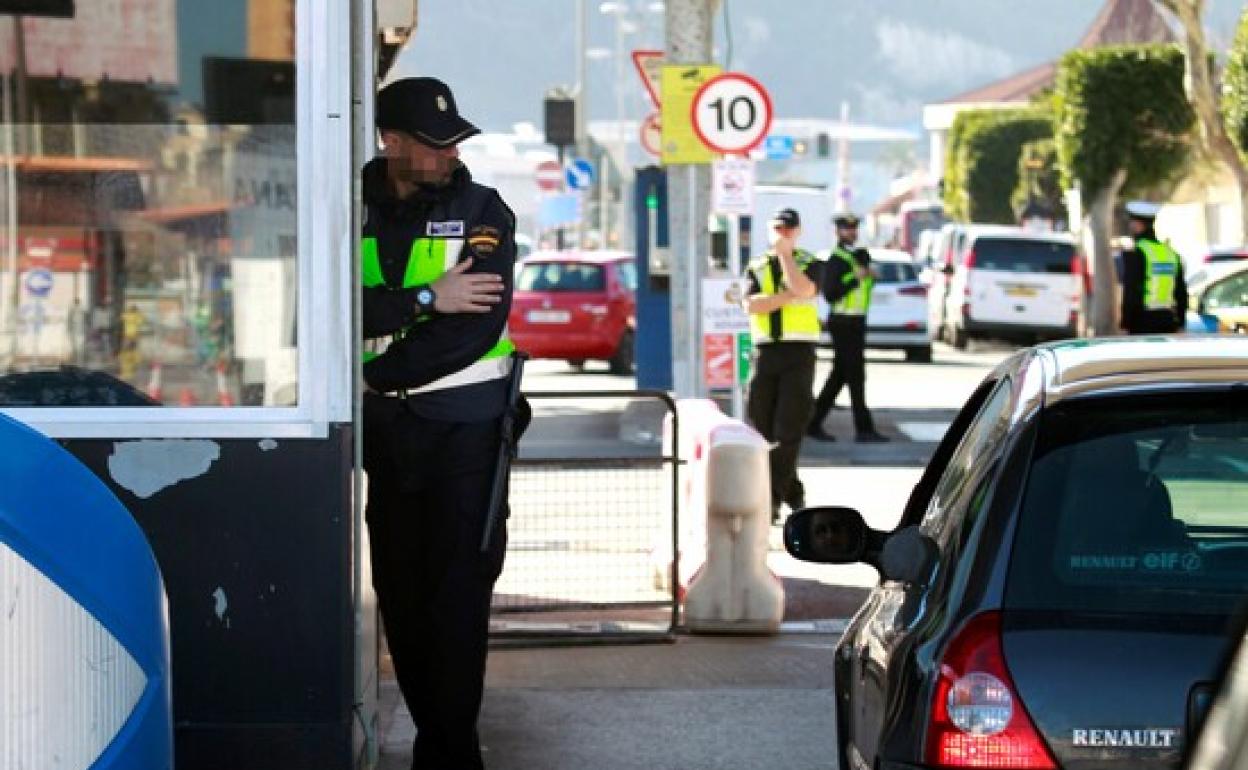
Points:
1154	292
847	287
438	253
784	324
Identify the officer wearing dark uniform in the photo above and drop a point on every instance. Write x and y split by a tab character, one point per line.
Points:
1154	292
847	287
438	252
784	324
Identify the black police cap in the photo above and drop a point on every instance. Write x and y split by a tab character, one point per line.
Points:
846	220
786	218
425	109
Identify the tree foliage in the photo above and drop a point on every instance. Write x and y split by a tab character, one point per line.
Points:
1235	88
983	161
1122	108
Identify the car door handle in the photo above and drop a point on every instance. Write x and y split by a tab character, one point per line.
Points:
1198	702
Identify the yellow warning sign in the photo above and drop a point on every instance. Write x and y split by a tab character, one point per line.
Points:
680	142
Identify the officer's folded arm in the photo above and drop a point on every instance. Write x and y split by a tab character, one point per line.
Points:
387	311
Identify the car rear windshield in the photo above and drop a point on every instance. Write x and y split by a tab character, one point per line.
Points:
1138	506
895	272
561	276
1023	256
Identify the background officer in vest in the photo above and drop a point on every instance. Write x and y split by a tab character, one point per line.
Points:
438	254
1154	292
784	323
847	287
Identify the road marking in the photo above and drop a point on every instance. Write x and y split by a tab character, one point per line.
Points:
931	432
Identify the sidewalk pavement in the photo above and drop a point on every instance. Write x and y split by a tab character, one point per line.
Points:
699	702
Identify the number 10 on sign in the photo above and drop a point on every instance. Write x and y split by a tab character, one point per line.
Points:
732	113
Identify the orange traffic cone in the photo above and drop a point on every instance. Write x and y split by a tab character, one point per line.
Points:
224	398
154	380
186	397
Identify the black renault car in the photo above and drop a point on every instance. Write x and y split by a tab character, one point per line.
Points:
1059	588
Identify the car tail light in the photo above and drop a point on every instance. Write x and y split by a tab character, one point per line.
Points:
969	260
913	291
977	717
966	310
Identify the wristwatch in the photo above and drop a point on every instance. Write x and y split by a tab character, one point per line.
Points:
425	297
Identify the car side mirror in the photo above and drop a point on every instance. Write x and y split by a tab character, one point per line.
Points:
908	556
830	535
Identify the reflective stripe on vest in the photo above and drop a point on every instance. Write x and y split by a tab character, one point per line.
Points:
858	300
799	320
427	260
1161	271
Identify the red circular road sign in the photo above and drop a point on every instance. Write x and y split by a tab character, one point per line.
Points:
732	113
652	134
549	175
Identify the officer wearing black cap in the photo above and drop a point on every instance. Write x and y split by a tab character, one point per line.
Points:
1154	292
784	324
438	252
847	285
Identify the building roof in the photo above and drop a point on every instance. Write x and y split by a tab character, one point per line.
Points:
1120	22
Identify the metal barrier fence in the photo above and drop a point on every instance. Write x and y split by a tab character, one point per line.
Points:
593	524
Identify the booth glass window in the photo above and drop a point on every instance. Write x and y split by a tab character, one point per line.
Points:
148	211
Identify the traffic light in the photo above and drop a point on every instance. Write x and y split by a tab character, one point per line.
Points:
560	112
823	146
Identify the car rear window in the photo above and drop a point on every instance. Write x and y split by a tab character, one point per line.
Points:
1137	506
895	272
1023	256
561	276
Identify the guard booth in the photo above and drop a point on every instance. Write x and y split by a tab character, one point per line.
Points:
177	308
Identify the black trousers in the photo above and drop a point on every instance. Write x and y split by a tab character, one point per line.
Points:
1151	322
428	490
779	407
849	334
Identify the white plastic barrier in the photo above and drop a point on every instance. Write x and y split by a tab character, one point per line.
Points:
725	509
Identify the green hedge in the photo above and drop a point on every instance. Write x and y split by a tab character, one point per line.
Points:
1235	88
1122	108
983	161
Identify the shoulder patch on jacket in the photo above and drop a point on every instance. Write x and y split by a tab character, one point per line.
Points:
484	239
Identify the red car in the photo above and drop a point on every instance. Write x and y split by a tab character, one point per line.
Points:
576	306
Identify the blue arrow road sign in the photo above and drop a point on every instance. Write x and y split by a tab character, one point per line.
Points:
778	147
580	174
39	281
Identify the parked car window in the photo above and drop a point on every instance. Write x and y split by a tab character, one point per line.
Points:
1233	292
1137	506
895	272
979	444
628	275
1023	256
561	276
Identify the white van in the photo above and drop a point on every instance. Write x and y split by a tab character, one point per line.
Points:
1012	284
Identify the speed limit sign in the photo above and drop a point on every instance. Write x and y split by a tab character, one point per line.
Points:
732	113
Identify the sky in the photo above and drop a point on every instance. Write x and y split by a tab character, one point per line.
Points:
886	58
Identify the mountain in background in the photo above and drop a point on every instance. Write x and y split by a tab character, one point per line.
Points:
887	58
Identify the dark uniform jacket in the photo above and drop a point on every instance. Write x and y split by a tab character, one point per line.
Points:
1135	317
446	343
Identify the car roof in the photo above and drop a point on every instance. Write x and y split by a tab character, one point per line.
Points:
1007	232
1084	367
590	257
890	255
1213	271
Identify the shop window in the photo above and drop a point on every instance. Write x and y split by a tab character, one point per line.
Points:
148	211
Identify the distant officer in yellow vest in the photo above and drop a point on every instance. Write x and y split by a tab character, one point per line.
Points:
784	324
1154	292
848	280
438	255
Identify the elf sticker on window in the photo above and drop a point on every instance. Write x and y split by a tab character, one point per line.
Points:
450	229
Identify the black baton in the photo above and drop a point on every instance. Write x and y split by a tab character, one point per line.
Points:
507	446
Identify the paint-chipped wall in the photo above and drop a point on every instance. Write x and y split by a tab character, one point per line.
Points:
253	538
